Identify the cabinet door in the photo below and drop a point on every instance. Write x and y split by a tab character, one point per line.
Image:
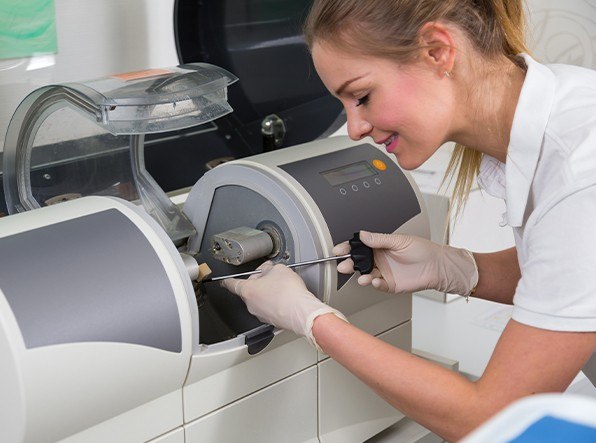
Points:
283	412
349	410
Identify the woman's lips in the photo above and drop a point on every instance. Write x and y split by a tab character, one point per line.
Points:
391	143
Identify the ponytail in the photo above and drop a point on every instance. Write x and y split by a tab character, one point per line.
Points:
501	32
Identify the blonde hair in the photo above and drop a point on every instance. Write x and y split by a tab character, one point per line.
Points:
390	28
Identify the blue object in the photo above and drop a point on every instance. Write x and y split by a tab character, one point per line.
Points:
550	430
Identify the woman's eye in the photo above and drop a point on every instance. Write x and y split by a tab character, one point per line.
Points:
362	101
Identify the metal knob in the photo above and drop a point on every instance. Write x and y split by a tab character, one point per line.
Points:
273	130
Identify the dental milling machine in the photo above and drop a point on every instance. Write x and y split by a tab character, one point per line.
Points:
105	335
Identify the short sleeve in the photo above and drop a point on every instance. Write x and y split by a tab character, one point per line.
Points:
557	290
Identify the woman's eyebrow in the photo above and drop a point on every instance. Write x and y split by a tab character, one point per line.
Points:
345	84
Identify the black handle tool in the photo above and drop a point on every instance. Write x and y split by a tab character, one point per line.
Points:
361	255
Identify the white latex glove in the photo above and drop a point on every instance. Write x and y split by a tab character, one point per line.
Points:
406	263
278	296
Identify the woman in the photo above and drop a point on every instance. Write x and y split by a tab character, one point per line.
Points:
412	75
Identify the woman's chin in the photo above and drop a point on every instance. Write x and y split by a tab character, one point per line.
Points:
407	163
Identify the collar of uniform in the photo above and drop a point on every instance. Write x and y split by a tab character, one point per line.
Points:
527	133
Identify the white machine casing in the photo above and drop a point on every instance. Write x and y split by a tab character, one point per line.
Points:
67	375
116	378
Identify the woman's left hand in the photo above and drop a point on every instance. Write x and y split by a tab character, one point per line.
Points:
278	296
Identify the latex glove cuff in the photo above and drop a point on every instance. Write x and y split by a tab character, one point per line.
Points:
473	277
311	319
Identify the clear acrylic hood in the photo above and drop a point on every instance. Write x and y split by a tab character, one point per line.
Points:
69	140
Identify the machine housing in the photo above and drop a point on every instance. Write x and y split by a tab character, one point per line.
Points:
104	335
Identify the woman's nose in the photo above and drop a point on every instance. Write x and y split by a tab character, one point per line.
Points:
358	127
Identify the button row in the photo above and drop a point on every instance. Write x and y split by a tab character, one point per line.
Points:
355	188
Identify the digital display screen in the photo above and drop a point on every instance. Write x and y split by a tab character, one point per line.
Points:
348	173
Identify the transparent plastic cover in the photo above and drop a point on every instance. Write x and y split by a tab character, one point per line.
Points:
159	100
76	139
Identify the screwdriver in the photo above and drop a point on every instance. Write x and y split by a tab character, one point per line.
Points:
361	254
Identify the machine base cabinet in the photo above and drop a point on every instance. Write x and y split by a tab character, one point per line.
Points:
349	411
176	436
282	412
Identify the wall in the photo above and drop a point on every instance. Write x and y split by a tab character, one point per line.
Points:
563	32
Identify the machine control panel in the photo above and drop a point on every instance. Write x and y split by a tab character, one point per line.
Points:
351	184
356	188
354	176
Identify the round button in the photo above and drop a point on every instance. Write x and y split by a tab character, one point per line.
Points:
378	181
379	164
366	184
354	188
342	191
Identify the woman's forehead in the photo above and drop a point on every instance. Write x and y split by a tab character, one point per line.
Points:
335	67
330	56
331	61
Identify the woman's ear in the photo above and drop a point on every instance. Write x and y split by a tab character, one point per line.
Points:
438	48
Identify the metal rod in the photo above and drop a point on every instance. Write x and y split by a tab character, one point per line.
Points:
293	265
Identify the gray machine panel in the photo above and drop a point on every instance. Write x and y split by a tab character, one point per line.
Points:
221	314
352	194
348	190
90	279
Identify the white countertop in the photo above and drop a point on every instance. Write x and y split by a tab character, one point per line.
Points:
466	332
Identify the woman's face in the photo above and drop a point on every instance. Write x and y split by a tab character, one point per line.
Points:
408	108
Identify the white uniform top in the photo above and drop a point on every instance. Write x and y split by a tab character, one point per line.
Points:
549	186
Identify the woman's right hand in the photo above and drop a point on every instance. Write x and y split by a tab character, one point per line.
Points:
406	263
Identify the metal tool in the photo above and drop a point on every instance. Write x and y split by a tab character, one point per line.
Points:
361	254
293	265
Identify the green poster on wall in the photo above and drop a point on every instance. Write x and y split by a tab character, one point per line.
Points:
27	27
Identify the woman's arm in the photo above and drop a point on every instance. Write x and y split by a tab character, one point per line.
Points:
526	360
498	275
